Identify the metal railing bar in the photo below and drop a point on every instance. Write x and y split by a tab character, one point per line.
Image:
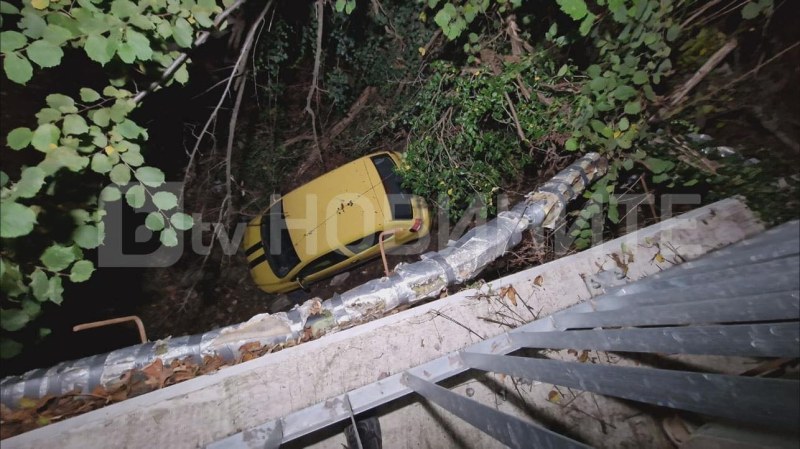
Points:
747	340
768	402
747	255
779	268
507	429
687	295
770	307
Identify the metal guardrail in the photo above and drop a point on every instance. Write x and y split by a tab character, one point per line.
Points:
743	300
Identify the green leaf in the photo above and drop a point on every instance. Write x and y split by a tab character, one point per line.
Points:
169	237
639	77
57	257
101	163
121	108
8	8
17	68
40	285
183	33
12	40
61	102
120	174
574	8
613	213
140	45
339	5
101	117
110	193
75	124
150	176
19	138
128	129
659	165
123	8
32	24
3	182
81	271
633	107
89	95
44	332
627	164
45	54
64	157
45	138
48	115
13	319
624	92
571	144
351	5
165	200
55	290
15	220
751	10
126	52
164	29
182	74
661	178
9	348
154	221
586	24
132	157
30	182
135	196
624	124
56	35
88	236
99	49
445	15
181	221
673	32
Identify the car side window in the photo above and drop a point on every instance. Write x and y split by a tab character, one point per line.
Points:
326	261
364	244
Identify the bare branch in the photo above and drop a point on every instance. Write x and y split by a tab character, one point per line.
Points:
319	5
238	68
178	62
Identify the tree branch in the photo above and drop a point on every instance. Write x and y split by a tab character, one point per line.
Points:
178	62
238	68
319	5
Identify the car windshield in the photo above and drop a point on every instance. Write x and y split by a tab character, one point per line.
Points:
278	247
399	199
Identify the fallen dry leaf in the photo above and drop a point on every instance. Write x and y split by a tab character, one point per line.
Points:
511	294
538	281
156	374
554	397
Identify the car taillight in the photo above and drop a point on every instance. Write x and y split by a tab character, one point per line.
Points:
417	225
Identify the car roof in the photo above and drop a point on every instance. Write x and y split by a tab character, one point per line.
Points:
336	209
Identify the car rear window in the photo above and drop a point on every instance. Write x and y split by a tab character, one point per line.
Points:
278	247
399	199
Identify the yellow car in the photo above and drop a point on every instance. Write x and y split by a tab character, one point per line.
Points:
333	223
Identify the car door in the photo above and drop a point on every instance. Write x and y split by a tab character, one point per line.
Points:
325	265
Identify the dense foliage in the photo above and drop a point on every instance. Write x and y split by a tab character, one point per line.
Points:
486	97
87	132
